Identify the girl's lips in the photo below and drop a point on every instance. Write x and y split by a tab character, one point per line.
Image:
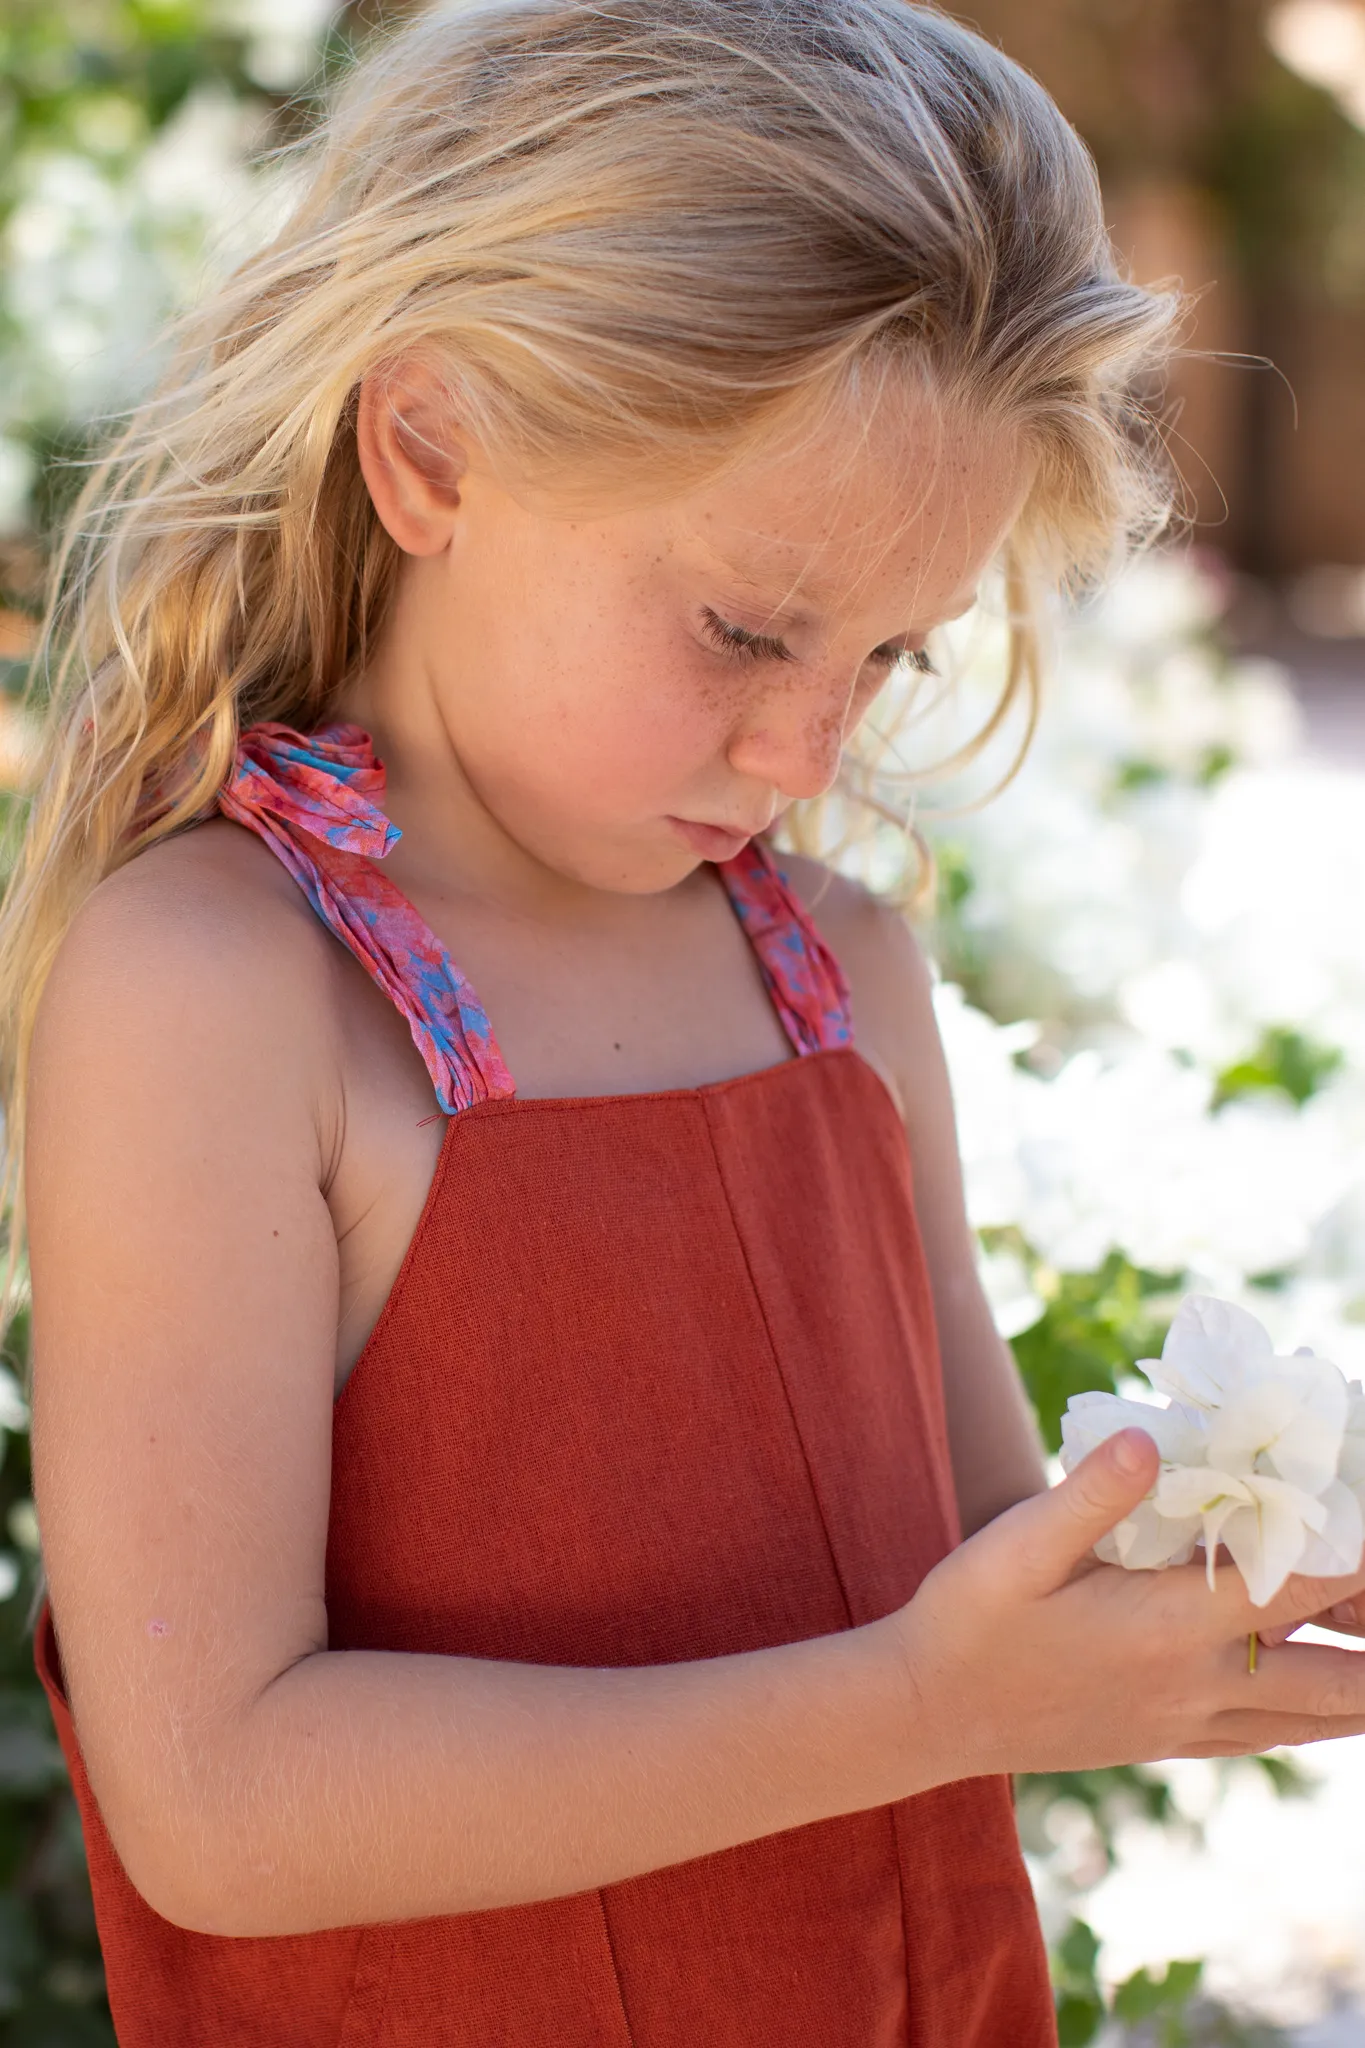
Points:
712	842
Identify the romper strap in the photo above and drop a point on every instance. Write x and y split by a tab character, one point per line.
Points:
802	976
316	800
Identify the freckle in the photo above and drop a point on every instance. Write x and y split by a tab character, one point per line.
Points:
274	1233
158	1628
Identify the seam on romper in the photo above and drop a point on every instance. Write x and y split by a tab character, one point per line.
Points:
897	1854
629	2032
757	1295
369	1998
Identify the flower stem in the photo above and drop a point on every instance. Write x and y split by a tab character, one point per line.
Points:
1253	1643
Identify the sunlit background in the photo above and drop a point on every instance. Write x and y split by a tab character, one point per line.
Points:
1152	946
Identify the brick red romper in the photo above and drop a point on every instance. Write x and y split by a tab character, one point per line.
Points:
658	1379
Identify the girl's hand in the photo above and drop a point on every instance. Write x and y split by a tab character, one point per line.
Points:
1020	1658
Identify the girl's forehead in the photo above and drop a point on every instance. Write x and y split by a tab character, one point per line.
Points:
916	515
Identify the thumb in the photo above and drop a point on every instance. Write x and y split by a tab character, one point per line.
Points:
1055	1530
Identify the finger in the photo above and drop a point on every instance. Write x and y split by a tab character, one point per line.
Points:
1252	1734
1043	1540
1311	1681
1275	1638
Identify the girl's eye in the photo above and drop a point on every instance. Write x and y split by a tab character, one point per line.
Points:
747	646
739	641
916	658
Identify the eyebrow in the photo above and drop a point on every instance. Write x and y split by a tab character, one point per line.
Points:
816	594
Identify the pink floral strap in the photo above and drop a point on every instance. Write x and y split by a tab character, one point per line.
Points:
801	974
315	800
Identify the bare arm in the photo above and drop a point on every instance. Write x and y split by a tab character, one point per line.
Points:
996	1452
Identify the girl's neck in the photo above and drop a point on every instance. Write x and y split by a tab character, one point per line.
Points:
452	845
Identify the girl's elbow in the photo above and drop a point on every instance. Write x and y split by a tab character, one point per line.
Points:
197	1876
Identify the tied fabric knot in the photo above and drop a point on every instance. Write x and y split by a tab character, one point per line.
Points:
328	784
315	800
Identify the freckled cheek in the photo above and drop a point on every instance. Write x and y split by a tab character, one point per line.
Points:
643	752
634	739
825	732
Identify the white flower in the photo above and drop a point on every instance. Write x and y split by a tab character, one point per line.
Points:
1263	1454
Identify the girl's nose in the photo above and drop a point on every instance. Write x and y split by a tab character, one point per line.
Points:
794	741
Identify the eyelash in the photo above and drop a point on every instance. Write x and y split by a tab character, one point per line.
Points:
746	646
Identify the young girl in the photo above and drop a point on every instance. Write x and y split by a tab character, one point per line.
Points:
494	1223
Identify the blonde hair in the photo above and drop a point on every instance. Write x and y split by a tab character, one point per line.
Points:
637	236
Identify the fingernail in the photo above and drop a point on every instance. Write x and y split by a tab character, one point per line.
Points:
1344	1612
1130	1450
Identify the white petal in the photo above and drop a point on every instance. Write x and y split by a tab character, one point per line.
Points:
1146	1541
1336	1549
1293	1415
1351	1463
1090	1419
1196	1490
1214	1518
1207	1350
1351	1466
1266	1541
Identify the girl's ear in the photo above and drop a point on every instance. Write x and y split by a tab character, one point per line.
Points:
411	455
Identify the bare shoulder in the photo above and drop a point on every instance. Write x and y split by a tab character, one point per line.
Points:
887	972
198	954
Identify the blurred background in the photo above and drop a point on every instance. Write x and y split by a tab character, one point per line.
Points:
1150	947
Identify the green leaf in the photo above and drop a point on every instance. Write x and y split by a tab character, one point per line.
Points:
1284	1062
1078	2020
1077	1952
1287	1777
1183	1980
1142	1994
1094	1327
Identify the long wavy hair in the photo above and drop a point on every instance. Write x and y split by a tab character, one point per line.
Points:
637	237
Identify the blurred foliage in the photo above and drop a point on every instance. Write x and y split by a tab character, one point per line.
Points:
1083	2007
98	81
1285	1063
101	76
1289	171
94	79
1163	2010
1096	1325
